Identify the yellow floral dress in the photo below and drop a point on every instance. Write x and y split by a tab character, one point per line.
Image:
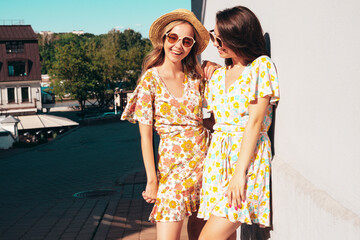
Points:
183	141
230	109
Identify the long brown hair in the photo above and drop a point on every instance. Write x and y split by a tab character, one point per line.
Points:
157	56
241	31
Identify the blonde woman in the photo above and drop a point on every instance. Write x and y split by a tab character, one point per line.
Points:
169	98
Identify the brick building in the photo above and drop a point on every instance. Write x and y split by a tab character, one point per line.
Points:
20	70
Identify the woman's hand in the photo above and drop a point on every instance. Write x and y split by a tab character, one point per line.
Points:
209	68
150	192
235	192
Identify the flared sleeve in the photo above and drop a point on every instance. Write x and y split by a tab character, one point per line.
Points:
264	80
209	91
140	106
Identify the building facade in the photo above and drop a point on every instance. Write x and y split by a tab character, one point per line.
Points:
20	70
316	167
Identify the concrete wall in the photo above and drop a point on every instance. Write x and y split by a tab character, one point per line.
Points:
316	168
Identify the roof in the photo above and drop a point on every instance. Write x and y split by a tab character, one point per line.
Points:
9	119
43	121
17	32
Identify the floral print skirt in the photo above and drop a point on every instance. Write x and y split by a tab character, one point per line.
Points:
180	171
219	167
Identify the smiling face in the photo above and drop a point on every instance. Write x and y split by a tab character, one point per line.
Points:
175	52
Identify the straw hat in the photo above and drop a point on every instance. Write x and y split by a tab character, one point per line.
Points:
179	14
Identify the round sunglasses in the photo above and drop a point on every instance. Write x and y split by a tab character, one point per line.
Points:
214	38
173	38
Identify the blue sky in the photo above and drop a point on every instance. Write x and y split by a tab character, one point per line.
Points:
92	16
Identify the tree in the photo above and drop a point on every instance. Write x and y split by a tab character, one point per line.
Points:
72	71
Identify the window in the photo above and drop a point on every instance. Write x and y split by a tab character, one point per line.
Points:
25	94
17	68
14	47
11	95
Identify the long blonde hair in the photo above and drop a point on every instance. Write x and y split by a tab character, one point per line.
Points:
157	56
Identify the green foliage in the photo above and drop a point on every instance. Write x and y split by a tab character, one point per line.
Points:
92	66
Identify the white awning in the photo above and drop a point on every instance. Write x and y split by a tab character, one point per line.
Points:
43	121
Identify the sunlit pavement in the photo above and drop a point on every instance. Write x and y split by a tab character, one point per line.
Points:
101	164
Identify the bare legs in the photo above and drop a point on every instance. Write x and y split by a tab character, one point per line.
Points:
168	230
218	228
172	230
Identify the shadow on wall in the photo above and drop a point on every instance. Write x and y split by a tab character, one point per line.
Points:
254	232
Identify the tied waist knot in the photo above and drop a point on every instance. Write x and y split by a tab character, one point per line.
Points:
226	146
179	131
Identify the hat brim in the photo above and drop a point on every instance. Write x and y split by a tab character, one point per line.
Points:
155	32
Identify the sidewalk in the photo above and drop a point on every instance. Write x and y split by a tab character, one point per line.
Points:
100	164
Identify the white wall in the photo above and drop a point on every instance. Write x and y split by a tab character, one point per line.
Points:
316	169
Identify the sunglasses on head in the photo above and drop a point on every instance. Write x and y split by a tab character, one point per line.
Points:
214	38
173	38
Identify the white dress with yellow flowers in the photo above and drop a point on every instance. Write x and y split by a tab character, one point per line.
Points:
230	109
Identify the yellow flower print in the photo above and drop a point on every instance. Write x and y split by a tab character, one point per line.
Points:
256	185
267	83
256	197
268	194
227	113
216	72
234	147
217	208
217	164
262	173
268	64
219	114
267	169
263	203
165	108
253	176
257	70
158	216
235	216
163	180
272	78
172	204
232	99
209	169
261	94
167	218
263	59
247	102
236	120
139	113
189	183
158	90
187	146
217	153
236	105
220	77
213	177
212	200
192	164
262	74
182	111
221	91
265	215
215	189
222	101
